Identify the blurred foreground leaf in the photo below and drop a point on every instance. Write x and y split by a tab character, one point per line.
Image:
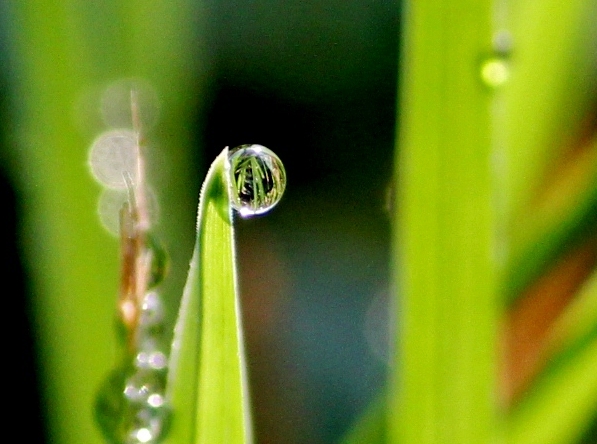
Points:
66	55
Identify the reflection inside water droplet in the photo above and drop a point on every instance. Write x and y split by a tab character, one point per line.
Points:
159	266
258	179
152	310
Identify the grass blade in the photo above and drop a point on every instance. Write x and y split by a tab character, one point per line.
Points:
444	235
207	385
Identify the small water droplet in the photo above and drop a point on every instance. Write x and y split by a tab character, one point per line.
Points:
151	357
131	408
156	400
142	435
142	384
159	261
495	71
502	42
152	310
258	179
112	155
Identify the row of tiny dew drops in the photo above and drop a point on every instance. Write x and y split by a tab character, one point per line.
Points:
131	405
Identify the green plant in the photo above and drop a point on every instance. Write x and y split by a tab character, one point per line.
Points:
207	380
493	225
69	53
492	241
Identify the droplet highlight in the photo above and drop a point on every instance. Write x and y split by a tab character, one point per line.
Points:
258	179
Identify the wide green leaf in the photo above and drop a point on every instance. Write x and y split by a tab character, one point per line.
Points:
444	374
207	382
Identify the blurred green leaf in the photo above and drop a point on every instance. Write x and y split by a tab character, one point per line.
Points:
562	401
565	216
207	382
445	230
578	324
549	92
66	54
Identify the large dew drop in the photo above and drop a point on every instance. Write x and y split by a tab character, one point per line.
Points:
258	179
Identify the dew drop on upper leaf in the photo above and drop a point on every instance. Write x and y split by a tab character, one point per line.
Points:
258	179
495	70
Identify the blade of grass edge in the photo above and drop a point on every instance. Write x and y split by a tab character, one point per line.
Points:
207	386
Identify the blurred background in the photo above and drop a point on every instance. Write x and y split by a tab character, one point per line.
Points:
316	83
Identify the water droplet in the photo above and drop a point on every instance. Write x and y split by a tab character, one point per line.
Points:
112	156
159	261
152	310
142	435
495	71
258	179
154	360
502	42
131	408
142	384
151	353
156	400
